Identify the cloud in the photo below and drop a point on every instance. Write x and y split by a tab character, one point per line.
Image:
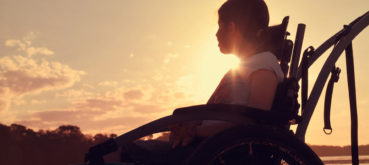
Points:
19	102
23	74
169	43
34	101
166	60
128	122
26	47
108	83
39	50
169	57
66	115
179	95
134	94
85	119
120	110
172	55
87	125
16	43
100	104
93	107
4	103
148	108
73	94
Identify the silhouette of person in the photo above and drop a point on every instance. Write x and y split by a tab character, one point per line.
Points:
244	32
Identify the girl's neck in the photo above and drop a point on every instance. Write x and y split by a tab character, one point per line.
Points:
247	50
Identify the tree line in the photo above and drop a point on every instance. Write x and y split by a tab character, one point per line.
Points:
64	145
67	145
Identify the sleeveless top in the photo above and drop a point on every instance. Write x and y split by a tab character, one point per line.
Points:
234	86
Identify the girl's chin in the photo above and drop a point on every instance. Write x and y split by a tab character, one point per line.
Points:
224	51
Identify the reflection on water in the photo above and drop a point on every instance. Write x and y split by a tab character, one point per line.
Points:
344	160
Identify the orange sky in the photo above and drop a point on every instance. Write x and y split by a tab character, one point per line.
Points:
110	66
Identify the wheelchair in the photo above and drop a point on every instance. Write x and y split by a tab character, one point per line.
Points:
263	137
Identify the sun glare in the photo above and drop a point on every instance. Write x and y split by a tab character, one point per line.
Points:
212	67
232	61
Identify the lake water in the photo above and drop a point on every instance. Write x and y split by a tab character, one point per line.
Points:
344	160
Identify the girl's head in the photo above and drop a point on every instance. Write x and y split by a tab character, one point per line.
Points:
242	24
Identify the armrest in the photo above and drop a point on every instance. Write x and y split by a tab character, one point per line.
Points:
224	112
271	117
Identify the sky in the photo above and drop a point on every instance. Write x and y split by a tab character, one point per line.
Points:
110	66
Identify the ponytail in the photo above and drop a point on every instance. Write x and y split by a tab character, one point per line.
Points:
272	38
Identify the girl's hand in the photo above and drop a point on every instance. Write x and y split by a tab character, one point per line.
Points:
183	133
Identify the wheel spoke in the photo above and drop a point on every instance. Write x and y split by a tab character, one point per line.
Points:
255	153
254	146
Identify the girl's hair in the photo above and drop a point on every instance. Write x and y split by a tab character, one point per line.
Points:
252	16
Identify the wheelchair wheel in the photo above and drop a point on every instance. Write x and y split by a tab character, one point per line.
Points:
253	145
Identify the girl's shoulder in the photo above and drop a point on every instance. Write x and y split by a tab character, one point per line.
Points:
262	61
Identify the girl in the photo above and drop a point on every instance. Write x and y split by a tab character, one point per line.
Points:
244	32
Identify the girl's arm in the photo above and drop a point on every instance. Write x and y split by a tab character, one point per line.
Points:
263	85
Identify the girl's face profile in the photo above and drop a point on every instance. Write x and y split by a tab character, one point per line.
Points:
223	37
229	37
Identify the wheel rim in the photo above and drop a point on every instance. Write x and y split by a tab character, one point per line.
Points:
255	152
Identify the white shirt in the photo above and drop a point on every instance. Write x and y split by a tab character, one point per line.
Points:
234	86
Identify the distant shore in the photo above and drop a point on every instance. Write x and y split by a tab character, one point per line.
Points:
344	159
323	150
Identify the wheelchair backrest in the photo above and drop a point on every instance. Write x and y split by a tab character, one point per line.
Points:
285	99
280	45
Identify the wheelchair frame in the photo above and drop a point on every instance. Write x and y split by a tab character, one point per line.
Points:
342	41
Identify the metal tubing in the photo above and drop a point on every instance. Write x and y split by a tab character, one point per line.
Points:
297	49
318	52
330	42
324	73
353	107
